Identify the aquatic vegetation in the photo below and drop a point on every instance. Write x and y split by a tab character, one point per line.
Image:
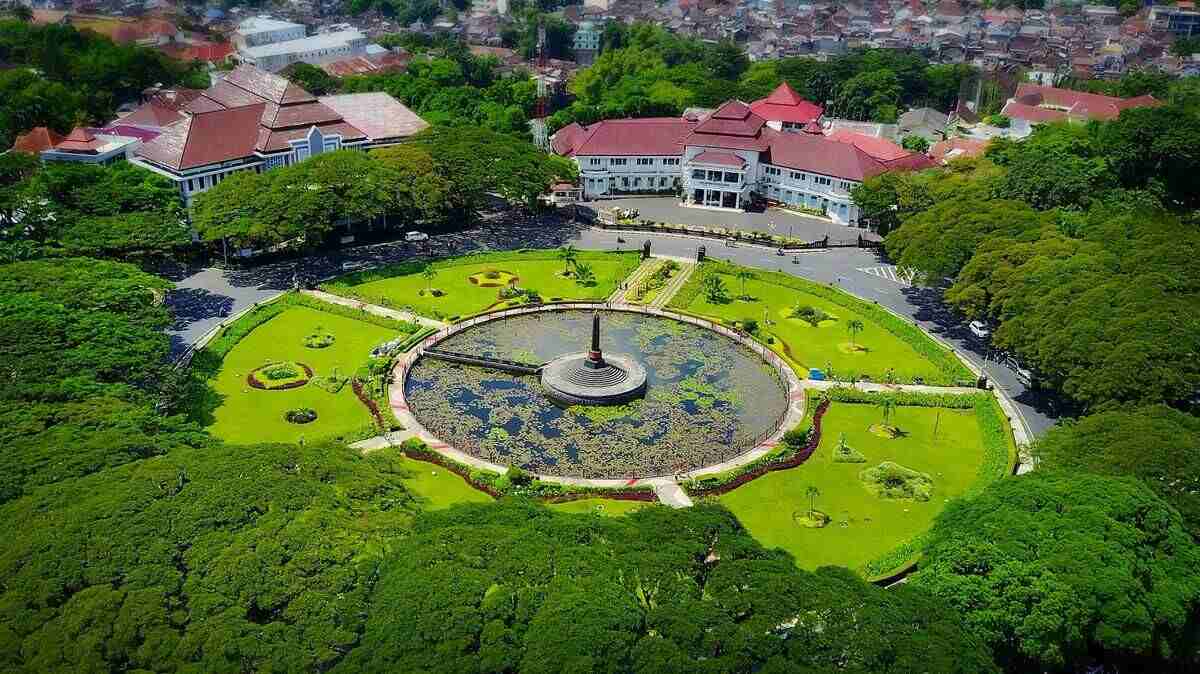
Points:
709	398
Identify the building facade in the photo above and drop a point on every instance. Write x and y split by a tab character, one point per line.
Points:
253	120
317	49
259	30
727	158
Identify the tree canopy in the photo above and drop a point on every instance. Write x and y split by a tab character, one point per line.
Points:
1157	444
1059	571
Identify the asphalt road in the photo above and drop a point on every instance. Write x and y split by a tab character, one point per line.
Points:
205	297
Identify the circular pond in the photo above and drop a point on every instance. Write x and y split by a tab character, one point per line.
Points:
707	397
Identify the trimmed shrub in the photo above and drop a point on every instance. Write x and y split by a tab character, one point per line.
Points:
890	480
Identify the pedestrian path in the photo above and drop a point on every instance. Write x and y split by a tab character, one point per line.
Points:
870	387
669	493
889	272
374	309
676	282
635	277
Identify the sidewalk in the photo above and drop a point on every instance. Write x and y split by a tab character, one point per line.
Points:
374	309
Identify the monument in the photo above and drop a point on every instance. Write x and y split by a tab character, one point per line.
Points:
589	378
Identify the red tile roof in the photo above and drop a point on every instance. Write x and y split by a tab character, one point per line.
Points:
879	148
656	136
719	159
206	138
79	140
36	140
1032	113
731	119
817	154
956	148
1077	105
785	105
379	115
152	115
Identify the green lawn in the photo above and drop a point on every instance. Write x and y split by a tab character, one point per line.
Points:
400	286
249	415
824	346
766	506
602	506
438	487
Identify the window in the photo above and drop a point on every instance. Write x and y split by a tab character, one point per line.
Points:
662	182
698	174
624	182
618	162
732	177
671	161
822	180
594	161
771	171
798	176
714	176
645	161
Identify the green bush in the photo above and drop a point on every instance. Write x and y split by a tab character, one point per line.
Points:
890	480
844	453
809	314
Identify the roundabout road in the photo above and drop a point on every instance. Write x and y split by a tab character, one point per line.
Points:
205	297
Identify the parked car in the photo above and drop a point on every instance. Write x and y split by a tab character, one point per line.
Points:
979	329
413	237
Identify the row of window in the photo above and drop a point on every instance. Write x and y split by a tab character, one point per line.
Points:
641	161
716	176
798	176
636	182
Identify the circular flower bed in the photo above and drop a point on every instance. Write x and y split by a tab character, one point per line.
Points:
811	519
300	415
492	278
279	376
890	480
319	339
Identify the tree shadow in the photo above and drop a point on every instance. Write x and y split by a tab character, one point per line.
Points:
189	305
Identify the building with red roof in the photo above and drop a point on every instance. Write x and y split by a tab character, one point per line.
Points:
252	120
37	140
785	110
727	158
1037	104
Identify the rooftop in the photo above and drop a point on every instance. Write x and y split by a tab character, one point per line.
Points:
322	41
377	114
785	105
262	24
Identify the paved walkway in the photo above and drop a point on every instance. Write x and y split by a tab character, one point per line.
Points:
630	282
822	384
374	309
673	286
670	493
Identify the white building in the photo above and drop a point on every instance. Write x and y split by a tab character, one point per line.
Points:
260	30
317	49
724	159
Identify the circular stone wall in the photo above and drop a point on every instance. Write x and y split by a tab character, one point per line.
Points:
708	398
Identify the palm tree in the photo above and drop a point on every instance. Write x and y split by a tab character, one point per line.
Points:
813	493
854	327
584	274
567	254
429	274
888	406
742	275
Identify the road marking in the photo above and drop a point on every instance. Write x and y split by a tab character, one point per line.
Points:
889	272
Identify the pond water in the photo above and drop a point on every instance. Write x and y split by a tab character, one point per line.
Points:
708	398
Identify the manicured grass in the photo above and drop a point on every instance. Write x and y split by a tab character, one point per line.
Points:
767	506
601	506
825	346
249	415
400	286
438	487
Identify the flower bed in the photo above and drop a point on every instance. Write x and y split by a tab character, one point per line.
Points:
279	376
301	415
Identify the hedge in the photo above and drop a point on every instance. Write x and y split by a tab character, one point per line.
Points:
497	485
956	401
941	357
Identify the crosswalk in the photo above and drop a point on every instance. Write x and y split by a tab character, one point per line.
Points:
889	272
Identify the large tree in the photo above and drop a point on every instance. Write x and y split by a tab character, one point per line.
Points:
1157	444
1057	571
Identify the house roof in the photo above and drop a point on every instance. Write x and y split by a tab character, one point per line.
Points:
377	114
878	148
719	159
1032	113
152	115
37	139
80	140
785	105
1076	104
956	148
206	138
657	136
817	154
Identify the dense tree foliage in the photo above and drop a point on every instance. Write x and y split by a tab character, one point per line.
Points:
522	34
442	176
120	211
310	78
1157	444
514	587
80	77
1060	571
1076	241
645	70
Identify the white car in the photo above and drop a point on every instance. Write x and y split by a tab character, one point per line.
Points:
416	236
979	329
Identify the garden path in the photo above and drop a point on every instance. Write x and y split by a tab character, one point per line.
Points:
670	493
666	294
822	384
635	277
375	309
